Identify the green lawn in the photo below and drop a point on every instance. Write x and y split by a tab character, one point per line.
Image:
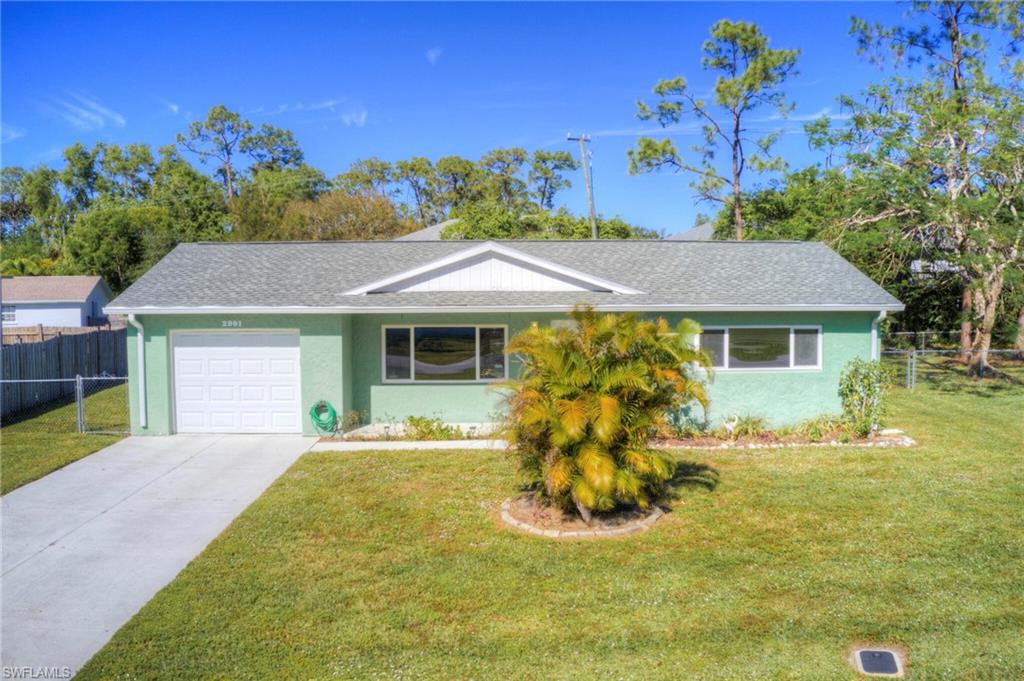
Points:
393	565
34	447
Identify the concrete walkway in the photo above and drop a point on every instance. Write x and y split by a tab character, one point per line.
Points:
88	545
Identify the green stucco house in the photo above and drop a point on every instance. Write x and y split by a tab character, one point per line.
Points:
246	337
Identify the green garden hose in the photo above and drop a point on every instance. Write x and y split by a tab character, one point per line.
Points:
324	417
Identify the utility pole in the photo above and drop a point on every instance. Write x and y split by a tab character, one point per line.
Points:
585	160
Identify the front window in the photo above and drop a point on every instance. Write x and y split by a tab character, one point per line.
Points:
8	314
763	347
444	353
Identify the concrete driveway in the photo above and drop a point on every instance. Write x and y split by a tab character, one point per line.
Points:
87	546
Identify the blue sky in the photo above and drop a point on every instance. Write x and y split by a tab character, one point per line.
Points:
398	80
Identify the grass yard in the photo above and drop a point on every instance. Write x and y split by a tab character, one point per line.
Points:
34	447
393	565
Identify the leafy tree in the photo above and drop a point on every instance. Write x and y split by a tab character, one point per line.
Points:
459	182
15	213
81	177
125	172
419	178
109	240
491	220
546	175
588	401
50	215
340	215
370	175
503	184
271	148
27	267
257	212
221	137
194	202
944	149
750	78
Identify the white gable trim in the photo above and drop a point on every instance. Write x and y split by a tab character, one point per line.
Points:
497	250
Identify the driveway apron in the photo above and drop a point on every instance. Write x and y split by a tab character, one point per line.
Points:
85	547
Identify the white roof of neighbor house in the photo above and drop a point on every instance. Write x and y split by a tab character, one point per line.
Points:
70	289
420	276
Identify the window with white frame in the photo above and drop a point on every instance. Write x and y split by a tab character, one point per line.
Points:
8	314
763	347
453	354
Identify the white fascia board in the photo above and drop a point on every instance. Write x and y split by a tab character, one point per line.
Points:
8	301
379	309
490	247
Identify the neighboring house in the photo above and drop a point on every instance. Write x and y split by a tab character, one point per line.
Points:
705	231
247	337
53	301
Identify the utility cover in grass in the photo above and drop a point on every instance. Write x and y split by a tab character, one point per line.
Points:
880	662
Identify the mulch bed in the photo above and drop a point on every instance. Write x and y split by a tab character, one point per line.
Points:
527	514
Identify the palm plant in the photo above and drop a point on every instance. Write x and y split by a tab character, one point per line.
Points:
589	399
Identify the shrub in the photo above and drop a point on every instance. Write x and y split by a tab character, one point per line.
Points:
862	387
750	426
423	428
589	399
818	427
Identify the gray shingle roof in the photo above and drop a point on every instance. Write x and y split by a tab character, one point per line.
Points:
670	273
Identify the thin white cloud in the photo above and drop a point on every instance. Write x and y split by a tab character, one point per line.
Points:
172	107
825	112
9	133
83	112
433	55
355	116
298	107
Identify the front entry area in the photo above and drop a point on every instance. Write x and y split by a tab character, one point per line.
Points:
237	382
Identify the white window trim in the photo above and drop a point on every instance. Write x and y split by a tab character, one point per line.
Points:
412	351
792	346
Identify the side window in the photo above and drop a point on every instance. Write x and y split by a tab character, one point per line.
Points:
712	341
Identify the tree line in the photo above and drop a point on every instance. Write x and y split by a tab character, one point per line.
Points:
920	181
116	210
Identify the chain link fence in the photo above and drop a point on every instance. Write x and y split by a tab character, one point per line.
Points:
921	340
84	404
945	368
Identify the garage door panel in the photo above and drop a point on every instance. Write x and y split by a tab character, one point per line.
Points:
191	393
221	367
252	367
282	367
283	393
237	382
252	393
190	367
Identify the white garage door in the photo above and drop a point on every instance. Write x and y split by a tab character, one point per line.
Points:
237	382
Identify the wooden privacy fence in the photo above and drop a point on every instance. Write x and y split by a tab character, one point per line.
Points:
65	357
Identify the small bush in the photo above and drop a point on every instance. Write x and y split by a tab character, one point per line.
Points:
750	426
863	387
820	426
423	428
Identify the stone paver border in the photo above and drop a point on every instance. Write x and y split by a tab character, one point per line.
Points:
890	438
632	527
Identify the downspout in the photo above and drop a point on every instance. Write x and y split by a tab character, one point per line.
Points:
875	340
140	346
